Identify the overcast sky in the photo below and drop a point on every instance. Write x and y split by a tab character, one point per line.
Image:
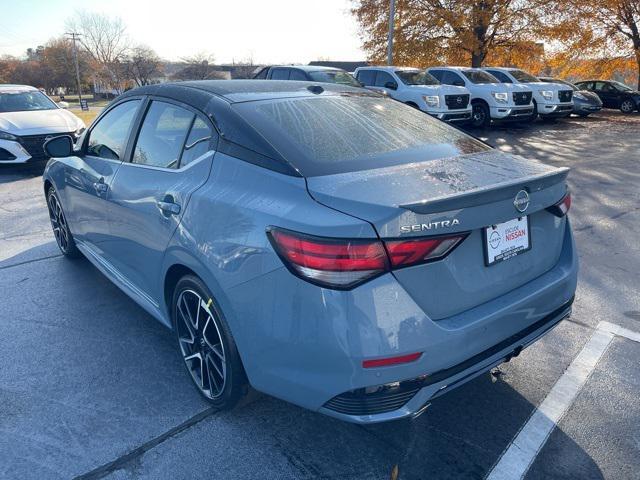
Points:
269	31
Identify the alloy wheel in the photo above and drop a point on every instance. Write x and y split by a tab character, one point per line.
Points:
58	223
201	343
627	106
479	116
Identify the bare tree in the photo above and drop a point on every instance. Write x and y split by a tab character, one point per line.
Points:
106	41
199	67
143	65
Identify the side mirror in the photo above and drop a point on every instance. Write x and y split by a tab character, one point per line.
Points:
64	105
59	146
391	85
458	83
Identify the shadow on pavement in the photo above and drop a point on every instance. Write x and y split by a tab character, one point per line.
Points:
88	377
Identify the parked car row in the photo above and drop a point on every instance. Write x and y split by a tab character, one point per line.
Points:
477	96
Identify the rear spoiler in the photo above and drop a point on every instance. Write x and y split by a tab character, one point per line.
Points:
488	194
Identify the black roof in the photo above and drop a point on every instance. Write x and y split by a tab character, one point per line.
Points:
245	90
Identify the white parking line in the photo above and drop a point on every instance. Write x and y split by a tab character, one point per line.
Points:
523	449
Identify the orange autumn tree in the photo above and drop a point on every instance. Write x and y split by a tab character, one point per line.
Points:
595	38
458	32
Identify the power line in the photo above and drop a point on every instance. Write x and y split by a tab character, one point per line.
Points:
75	35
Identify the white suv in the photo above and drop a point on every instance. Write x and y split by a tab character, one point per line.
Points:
490	99
418	89
552	100
27	119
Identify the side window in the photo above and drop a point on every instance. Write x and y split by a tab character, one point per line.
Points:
366	77
162	136
296	74
500	76
280	74
262	74
382	78
438	74
108	139
452	78
599	86
197	143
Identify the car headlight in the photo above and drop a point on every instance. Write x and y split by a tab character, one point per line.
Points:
546	94
7	136
502	97
432	100
579	96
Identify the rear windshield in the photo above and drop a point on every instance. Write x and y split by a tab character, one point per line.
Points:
337	134
334	76
25	101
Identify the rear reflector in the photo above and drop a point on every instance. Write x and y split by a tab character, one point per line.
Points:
561	208
343	263
386	362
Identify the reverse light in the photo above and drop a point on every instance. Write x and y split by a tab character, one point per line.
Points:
546	94
388	361
561	208
342	263
432	100
502	97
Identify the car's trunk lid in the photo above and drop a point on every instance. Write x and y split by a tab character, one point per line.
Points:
449	195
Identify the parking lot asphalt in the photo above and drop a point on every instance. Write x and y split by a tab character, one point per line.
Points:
92	387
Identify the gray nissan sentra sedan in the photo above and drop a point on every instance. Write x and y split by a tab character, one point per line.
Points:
321	243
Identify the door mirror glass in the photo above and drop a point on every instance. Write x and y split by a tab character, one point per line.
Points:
391	85
59	146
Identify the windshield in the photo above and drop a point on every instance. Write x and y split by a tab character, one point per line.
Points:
522	76
478	76
417	77
347	133
622	86
334	76
558	80
25	101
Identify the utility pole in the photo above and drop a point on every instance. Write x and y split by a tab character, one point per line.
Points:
392	14
75	35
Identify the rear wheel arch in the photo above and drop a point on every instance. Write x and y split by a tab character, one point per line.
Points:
47	186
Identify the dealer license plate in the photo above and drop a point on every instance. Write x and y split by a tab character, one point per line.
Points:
506	240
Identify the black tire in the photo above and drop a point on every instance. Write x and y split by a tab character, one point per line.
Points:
627	106
480	115
60	227
220	380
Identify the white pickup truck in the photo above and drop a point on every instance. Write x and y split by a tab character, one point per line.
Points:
490	99
418	89
552	100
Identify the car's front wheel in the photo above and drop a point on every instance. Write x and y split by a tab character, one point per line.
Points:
64	239
206	344
627	106
480	116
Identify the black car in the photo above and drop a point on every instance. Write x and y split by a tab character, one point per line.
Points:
584	102
613	94
307	73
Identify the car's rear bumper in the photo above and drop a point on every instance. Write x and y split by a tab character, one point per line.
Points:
306	344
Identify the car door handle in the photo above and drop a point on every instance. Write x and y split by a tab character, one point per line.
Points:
100	186
169	208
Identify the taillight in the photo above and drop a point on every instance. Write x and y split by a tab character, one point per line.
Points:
404	253
561	208
334	263
342	263
389	361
